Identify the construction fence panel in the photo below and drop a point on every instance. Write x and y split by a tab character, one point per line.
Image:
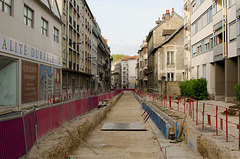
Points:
85	105
73	109
43	117
12	143
79	107
30	130
57	116
93	102
66	112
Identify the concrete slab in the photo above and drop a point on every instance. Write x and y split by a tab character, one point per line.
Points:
123	127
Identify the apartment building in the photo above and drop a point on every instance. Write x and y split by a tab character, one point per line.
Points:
30	52
214	48
187	39
128	72
81	40
142	65
116	74
104	65
169	24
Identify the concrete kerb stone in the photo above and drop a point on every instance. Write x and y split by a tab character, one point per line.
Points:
170	123
65	143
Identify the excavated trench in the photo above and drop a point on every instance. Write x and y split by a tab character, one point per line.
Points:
60	143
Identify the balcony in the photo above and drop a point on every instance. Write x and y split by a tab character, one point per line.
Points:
218	52
187	40
217	18
186	62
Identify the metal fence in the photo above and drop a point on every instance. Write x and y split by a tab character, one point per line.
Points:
204	114
20	131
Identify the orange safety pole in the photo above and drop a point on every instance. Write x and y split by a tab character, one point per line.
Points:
203	116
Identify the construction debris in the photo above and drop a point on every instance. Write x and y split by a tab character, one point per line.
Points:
103	103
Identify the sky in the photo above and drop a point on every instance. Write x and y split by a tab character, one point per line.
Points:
126	23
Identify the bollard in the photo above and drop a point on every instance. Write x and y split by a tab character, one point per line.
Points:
203	116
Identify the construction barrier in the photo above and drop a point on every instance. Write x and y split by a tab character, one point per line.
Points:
202	113
43	117
92	102
12	144
20	132
57	116
29	127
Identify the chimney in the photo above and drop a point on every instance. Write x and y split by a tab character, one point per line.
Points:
167	15
158	21
163	17
172	11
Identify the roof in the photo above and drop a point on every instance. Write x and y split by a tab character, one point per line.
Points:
130	58
168	39
151	31
168	32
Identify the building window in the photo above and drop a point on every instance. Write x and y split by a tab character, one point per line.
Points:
238	26
170	76
202	46
5	6
232	31
199	50
218	39
230	3
55	34
44	27
170	58
28	16
204	71
197	72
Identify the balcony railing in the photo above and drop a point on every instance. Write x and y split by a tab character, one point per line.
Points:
218	52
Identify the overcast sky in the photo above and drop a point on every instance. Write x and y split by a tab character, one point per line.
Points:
126	23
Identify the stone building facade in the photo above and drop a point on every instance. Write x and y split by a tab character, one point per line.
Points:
142	65
169	24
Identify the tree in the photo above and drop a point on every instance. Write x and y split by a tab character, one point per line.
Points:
118	56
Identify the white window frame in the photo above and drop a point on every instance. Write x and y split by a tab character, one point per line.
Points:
6	4
232	36
55	34
170	76
170	58
204	71
28	16
44	27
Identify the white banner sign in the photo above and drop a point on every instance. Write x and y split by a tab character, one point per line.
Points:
18	48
